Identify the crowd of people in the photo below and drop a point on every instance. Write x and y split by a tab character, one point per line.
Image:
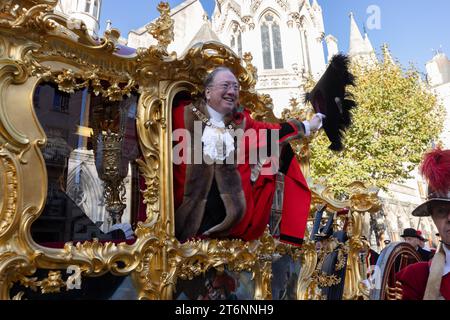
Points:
428	279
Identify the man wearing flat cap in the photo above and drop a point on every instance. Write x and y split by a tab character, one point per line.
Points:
414	237
431	280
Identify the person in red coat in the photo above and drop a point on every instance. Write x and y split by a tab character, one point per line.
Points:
431	280
219	190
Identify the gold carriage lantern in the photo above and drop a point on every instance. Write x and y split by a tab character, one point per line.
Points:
109	125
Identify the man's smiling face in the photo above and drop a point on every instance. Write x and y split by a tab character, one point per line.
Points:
223	93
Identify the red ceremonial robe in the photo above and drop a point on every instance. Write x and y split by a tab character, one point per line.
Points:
259	196
414	281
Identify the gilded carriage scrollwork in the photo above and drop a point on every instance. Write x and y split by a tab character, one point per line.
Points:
361	201
71	61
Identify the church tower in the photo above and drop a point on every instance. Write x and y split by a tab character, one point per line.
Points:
285	37
360	48
86	10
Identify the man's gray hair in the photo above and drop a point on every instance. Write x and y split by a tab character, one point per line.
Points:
210	77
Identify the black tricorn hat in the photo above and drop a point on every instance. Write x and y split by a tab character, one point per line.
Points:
331	98
410	232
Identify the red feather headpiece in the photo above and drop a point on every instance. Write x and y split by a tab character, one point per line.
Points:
436	170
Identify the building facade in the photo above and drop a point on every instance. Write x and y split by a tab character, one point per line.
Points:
87	11
285	37
438	78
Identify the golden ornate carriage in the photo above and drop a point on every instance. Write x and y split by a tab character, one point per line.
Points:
40	48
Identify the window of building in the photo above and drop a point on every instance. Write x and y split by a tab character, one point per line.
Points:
236	39
266	47
95	12
87	7
271	43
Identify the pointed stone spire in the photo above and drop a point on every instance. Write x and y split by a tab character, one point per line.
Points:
360	48
368	42
357	43
369	48
332	46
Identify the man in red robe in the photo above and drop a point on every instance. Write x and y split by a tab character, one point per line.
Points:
431	280
216	189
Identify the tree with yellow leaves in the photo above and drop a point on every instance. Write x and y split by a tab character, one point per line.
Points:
396	121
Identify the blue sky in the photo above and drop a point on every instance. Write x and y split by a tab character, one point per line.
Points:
411	28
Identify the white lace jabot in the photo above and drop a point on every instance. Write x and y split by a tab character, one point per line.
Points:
214	114
217	140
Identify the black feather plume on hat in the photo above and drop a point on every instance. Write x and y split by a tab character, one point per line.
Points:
330	98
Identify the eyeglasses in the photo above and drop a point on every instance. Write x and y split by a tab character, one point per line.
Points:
225	86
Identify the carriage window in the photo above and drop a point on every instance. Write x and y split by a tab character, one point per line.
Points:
215	285
93	180
285	278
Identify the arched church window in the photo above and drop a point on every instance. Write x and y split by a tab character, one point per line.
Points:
271	43
267	50
277	51
236	38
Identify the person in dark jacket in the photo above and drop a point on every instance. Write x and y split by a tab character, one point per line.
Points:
414	238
